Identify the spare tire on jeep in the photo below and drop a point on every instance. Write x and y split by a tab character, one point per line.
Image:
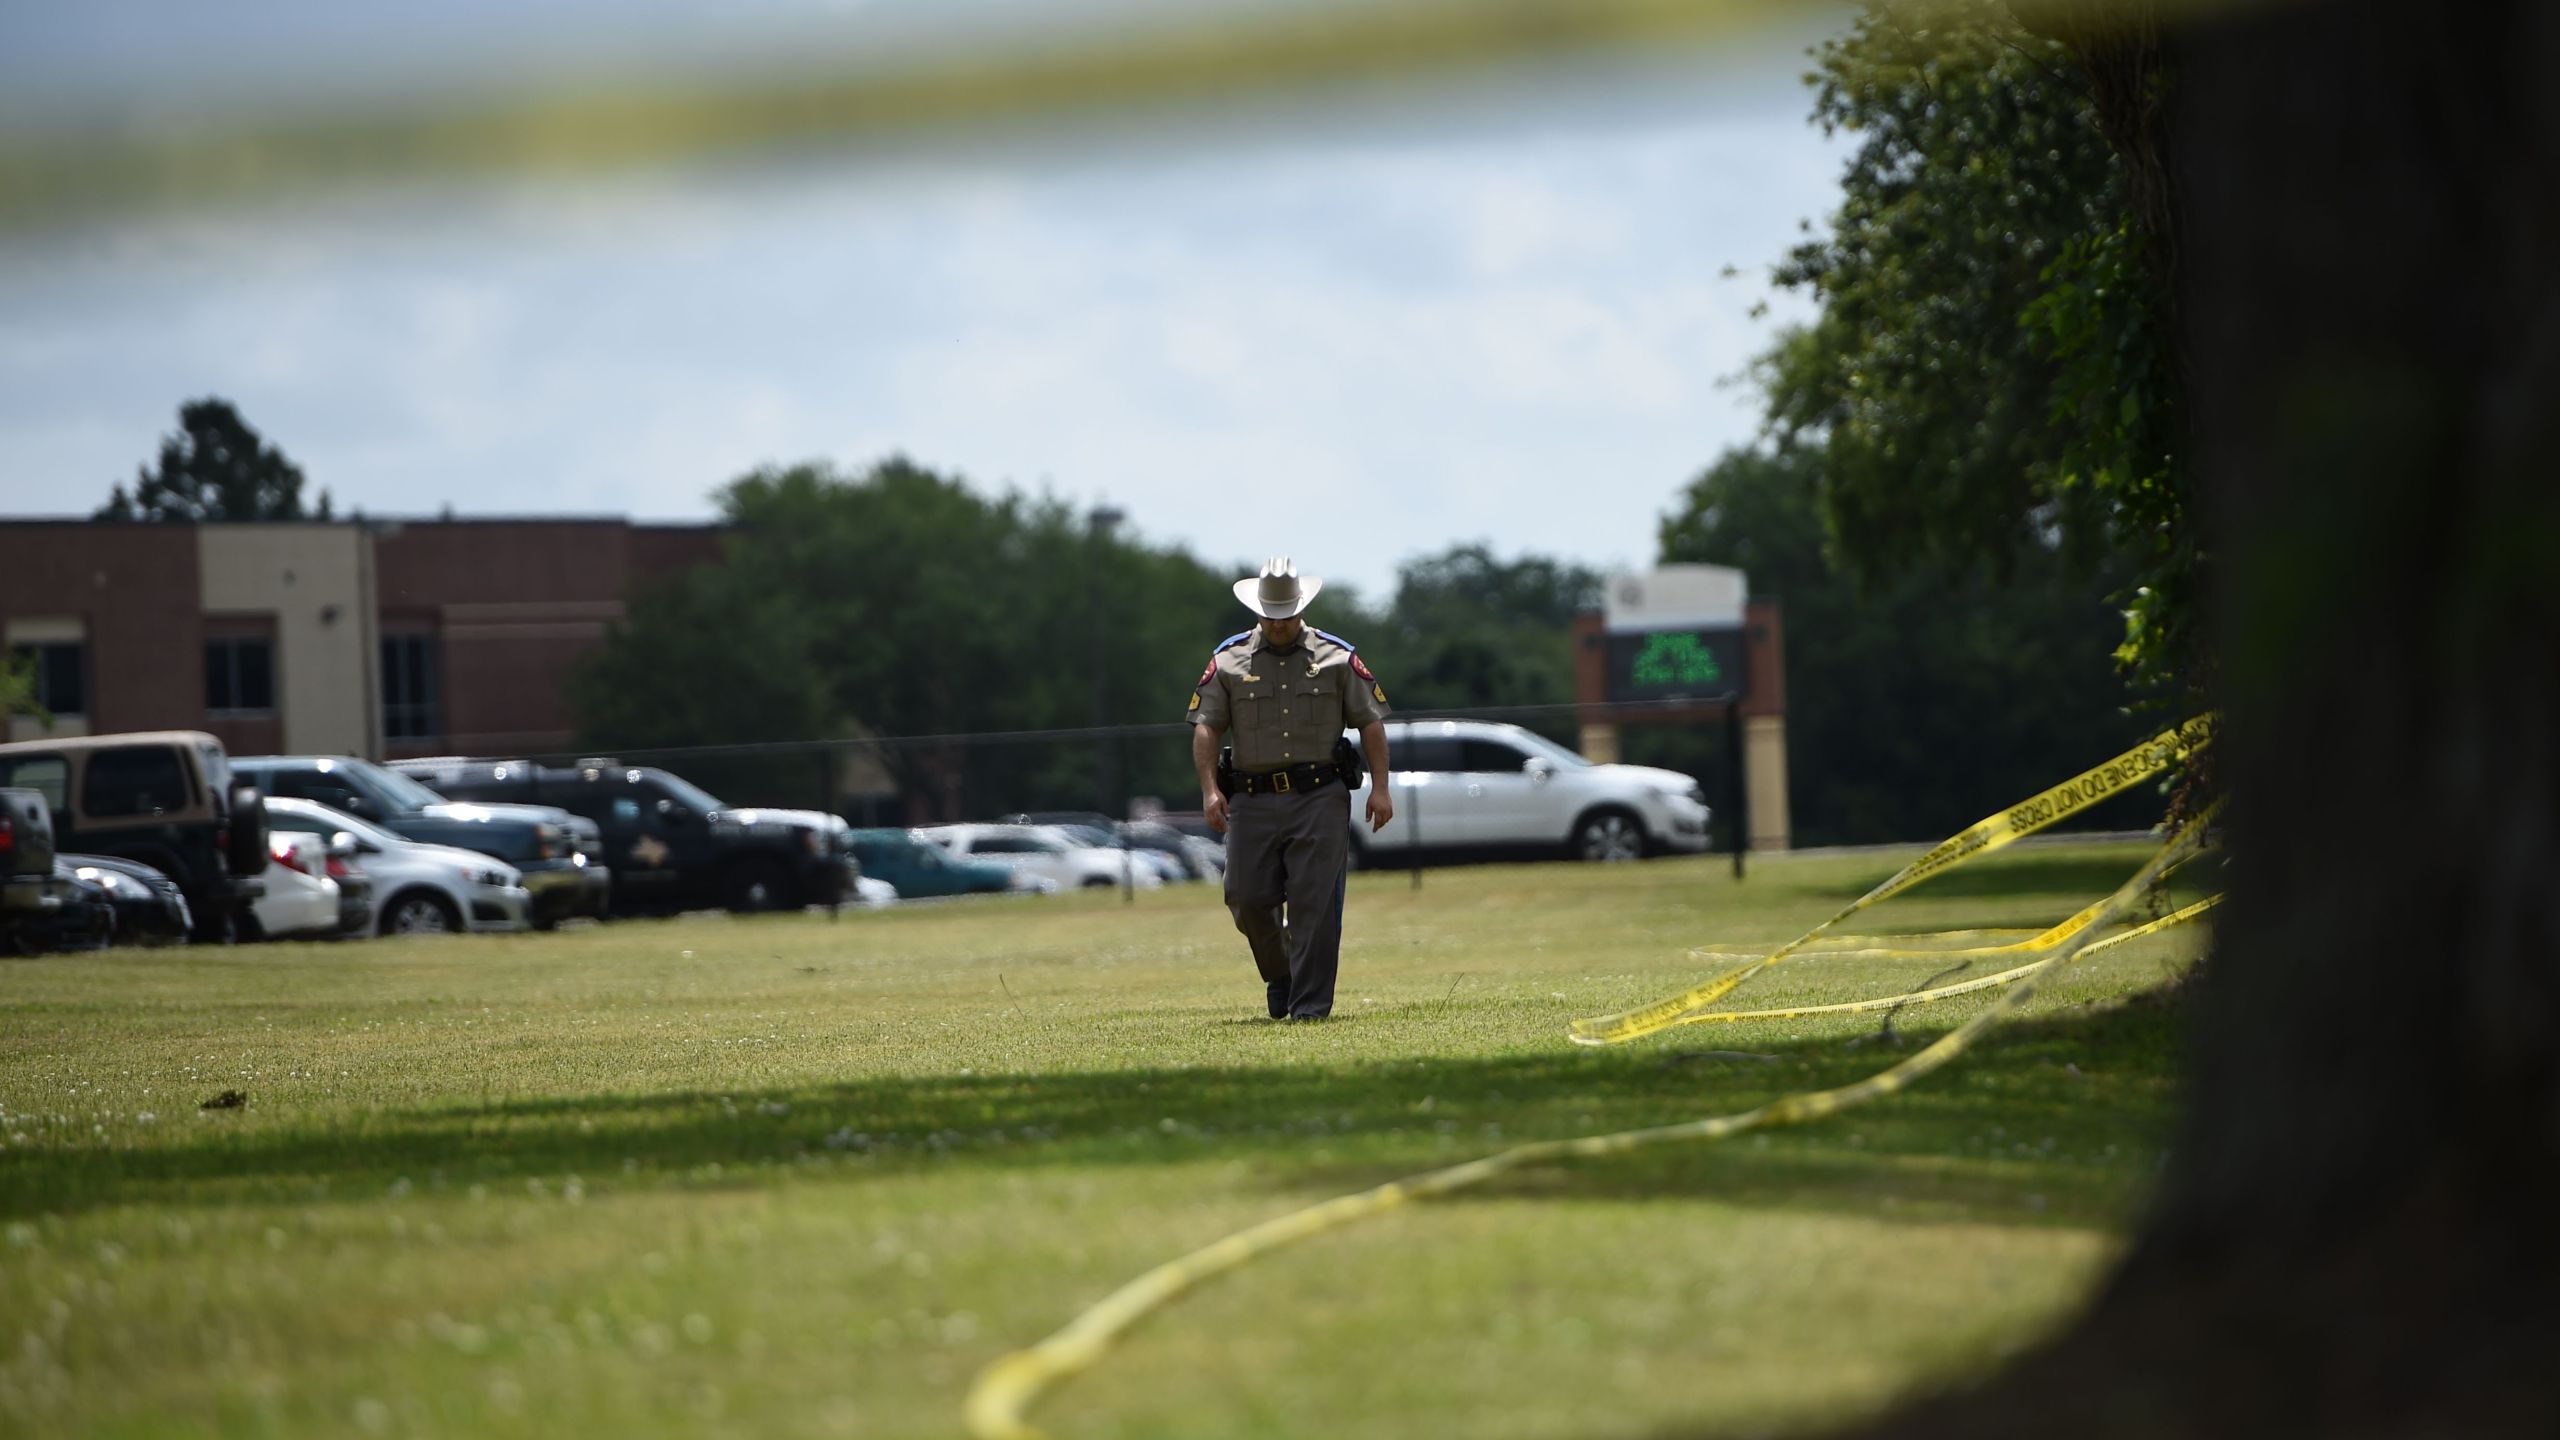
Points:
246	855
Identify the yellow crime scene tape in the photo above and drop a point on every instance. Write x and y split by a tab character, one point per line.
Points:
1980	838
1000	1399
1945	992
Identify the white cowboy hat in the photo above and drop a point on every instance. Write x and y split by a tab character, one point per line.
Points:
1279	591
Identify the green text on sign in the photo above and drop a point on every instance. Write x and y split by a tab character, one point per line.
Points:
1676	659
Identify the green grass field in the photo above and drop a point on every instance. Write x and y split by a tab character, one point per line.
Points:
786	1176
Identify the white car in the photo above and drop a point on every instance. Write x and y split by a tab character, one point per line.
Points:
1044	853
418	889
300	898
1479	785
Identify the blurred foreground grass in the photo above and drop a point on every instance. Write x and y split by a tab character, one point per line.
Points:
786	1176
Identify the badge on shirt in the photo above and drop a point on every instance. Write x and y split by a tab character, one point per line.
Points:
1195	699
1361	669
1378	690
1207	670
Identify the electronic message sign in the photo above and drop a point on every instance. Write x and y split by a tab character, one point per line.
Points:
1694	663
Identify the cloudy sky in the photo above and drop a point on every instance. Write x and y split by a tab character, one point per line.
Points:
1354	329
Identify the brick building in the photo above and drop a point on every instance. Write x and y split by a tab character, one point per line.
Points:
375	637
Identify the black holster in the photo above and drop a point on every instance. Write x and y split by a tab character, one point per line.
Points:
1355	766
1227	771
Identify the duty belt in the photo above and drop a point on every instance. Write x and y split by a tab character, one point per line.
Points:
1289	779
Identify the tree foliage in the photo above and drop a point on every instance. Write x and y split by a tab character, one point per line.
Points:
18	688
1916	702
1986	375
901	603
214	468
1468	629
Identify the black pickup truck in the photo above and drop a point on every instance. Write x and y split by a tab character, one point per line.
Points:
554	850
672	847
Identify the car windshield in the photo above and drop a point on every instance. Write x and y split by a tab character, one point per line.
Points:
1089	836
318	814
391	787
1546	749
684	792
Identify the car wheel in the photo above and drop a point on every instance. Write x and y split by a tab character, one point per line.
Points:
420	912
762	885
1096	882
1608	836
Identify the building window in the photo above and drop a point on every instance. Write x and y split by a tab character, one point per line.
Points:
62	675
409	690
239	675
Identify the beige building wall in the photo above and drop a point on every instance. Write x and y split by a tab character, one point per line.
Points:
1764	773
315	583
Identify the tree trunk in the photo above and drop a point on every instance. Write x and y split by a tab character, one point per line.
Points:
2355	1231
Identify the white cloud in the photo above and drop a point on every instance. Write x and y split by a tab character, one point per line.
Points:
1399	342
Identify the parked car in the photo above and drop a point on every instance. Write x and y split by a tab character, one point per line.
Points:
149	907
920	869
419	889
84	918
167	798
1157	847
559	855
300	900
1480	785
672	845
1168	869
1203	859
1041	851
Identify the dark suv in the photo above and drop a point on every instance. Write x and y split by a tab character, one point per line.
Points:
672	847
555	850
167	798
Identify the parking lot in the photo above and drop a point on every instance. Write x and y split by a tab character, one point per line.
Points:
155	838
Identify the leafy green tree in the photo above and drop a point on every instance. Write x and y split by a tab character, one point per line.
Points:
1469	629
1918	700
1986	373
901	603
18	689
214	468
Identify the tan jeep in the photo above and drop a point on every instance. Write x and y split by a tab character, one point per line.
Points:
162	797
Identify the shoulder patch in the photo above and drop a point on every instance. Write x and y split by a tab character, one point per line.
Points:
1224	646
1361	669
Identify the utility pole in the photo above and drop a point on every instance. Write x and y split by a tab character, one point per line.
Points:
1100	522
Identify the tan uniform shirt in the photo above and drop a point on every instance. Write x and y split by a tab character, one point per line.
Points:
1285	707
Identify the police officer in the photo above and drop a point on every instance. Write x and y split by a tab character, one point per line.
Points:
1286	691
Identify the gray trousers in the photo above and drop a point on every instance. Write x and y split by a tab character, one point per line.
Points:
1286	858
